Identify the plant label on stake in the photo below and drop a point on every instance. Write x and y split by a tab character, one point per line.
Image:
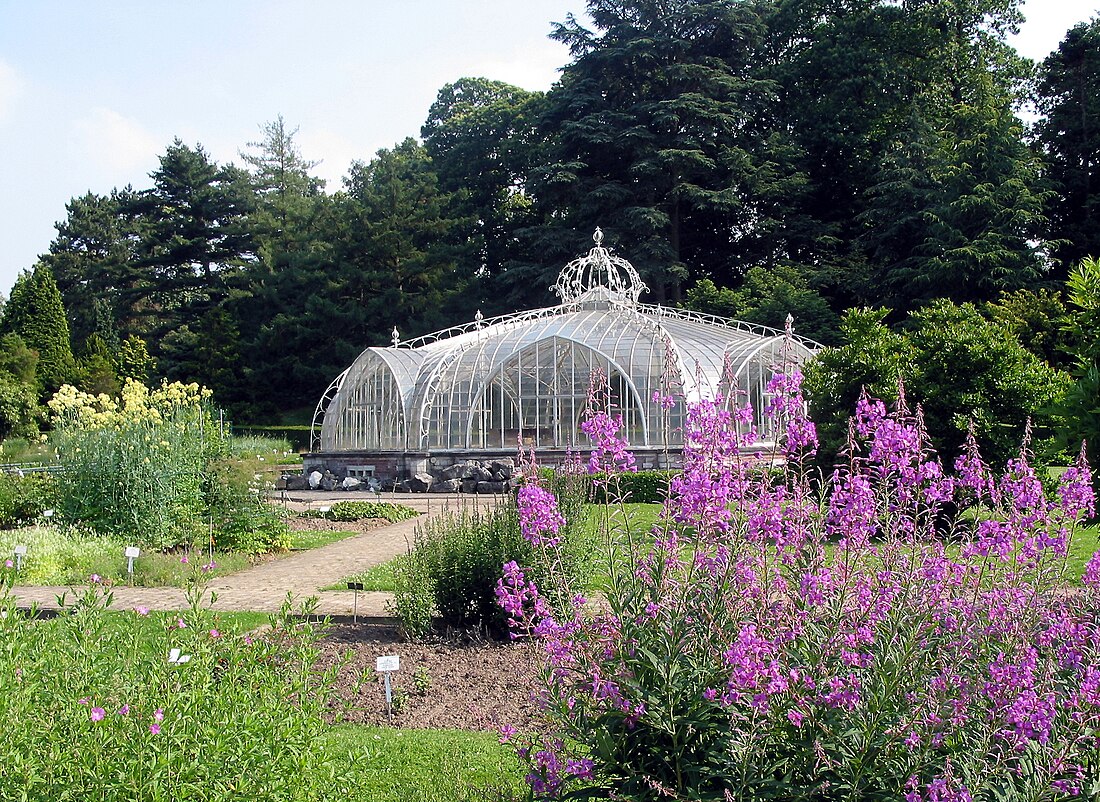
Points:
355	587
131	553
386	664
20	552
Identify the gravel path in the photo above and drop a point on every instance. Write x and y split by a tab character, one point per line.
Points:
264	587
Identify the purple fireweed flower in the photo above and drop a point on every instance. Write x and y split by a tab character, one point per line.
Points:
507	731
788	407
154	728
611	452
1091	578
1075	494
539	518
97	714
124	710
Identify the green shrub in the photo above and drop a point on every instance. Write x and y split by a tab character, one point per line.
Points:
413	595
358	510
455	562
241	519
25	498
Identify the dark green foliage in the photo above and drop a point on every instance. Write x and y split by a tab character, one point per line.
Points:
95	370
638	487
1068	96
36	313
20	412
962	369
94	259
1079	412
1039	320
24	498
767	296
869	357
482	140
456	559
653	135
966	370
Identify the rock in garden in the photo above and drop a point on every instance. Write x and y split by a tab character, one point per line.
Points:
328	483
296	481
447	486
490	487
452	472
504	468
350	483
420	482
469	485
315	480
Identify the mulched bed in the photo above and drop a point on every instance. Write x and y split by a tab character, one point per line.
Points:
297	524
445	684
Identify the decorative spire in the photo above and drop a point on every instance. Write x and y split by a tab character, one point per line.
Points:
478	318
599	269
396	335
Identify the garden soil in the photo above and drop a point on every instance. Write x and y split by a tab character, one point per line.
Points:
452	683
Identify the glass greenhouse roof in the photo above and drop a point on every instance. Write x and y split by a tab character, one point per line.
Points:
494	383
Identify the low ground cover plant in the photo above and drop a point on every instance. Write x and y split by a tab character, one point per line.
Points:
108	707
896	632
360	510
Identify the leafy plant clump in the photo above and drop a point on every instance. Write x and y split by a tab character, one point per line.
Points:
155	466
358	510
854	641
23	499
454	565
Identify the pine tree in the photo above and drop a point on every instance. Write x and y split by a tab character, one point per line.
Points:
36	313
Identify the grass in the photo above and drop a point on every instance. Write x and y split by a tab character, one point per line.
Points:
68	556
393	765
377	577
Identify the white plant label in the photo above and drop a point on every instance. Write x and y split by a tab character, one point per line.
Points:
389	662
21	550
133	551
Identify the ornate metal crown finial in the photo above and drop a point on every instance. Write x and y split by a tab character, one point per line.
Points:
600	270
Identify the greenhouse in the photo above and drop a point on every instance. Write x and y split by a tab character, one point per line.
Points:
489	386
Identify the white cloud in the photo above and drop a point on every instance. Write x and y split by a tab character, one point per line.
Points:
112	141
334	151
11	87
534	69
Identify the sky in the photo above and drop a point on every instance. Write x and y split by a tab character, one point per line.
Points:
91	94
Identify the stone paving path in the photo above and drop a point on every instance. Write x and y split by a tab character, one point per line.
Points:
264	588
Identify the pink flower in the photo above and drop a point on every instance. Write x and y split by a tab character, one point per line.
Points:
8	564
95	579
215	634
181	624
124	710
97	714
158	714
154	729
141	610
184	560
83	700
506	733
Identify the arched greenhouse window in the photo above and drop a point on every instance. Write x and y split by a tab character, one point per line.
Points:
540	393
369	411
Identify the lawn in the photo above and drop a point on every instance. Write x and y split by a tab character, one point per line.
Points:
68	556
394	765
